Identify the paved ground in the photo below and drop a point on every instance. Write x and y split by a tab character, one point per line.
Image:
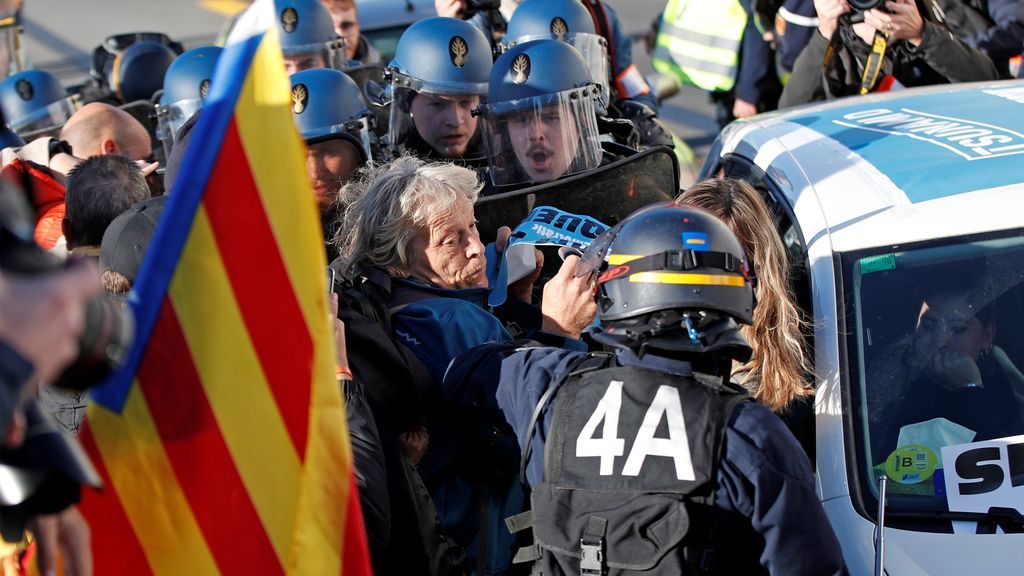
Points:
61	36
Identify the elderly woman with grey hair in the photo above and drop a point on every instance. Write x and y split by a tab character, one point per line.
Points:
415	221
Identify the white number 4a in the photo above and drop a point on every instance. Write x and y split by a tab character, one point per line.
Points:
609	445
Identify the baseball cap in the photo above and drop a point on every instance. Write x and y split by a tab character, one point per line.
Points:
126	239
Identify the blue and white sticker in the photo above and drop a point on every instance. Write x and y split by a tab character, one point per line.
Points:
544	226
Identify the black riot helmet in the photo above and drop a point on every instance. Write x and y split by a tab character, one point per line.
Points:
671	278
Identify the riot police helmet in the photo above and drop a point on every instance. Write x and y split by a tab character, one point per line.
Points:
540	121
565	20
330	113
34	103
671	277
308	38
437	78
138	70
327	104
185	87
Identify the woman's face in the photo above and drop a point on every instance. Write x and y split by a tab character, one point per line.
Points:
448	253
947	323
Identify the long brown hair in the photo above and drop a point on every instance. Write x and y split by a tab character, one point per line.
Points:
778	369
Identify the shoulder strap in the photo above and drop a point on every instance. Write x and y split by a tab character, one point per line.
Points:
585	363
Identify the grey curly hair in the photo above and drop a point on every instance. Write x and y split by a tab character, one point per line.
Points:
384	208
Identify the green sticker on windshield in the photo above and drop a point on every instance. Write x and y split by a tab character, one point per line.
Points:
877	263
911	464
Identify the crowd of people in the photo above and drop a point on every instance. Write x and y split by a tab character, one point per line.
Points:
528	434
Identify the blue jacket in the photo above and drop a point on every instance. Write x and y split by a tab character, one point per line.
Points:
764	473
471	447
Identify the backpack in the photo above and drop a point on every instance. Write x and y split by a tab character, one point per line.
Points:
397	386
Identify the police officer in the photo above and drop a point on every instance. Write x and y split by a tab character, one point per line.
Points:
438	77
649	460
35	104
185	86
308	38
332	117
540	122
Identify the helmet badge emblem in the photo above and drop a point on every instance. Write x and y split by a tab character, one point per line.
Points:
559	28
521	69
25	89
300	97
204	88
289	19
458	51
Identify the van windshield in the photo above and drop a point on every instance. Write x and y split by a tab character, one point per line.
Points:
935	348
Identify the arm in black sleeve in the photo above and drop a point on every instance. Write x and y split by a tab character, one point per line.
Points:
14	374
756	61
371	473
953	59
806	84
1006	38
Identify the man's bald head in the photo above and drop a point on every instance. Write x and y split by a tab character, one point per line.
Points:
99	128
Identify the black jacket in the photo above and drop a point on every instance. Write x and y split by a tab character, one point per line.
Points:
940	58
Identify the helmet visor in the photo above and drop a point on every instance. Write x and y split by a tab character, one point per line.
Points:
542	138
418	85
593	48
595	257
49	117
356	131
316	55
442	122
171	117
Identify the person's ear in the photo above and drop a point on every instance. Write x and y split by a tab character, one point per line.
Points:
108	146
65	226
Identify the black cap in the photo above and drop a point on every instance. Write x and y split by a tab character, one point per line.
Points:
126	239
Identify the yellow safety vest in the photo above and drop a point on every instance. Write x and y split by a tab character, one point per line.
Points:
699	42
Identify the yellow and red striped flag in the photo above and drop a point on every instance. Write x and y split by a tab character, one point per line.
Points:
223	444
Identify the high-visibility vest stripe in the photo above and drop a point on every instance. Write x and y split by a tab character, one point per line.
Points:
686	49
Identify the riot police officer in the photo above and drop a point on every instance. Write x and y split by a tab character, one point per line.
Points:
35	104
438	77
185	87
540	121
649	460
332	117
308	38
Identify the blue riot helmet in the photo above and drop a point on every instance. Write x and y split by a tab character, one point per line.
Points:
34	103
540	122
308	38
333	118
565	20
138	70
438	76
185	86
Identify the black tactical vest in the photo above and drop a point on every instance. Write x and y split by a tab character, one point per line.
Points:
629	477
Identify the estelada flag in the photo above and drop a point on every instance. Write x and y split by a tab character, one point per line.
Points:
223	444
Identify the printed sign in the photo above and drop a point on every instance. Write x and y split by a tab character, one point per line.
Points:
984	474
971	140
544	226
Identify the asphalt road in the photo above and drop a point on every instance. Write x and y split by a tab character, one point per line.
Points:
61	35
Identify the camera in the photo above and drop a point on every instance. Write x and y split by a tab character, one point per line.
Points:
109	328
865	5
474	6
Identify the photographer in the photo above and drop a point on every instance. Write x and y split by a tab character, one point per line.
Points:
914	45
483	14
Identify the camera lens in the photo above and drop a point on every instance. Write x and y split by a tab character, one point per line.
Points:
865	5
103	345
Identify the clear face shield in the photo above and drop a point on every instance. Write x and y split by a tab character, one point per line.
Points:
48	120
358	132
594	49
12	53
435	115
542	138
170	119
329	54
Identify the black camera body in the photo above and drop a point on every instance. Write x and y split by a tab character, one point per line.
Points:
865	5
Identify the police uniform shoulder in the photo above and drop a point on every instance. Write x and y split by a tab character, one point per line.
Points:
755	433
